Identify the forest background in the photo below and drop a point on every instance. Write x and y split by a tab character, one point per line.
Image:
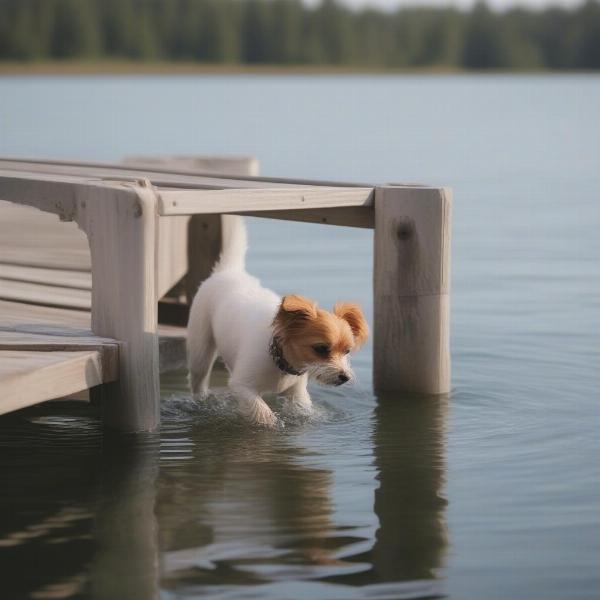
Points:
290	33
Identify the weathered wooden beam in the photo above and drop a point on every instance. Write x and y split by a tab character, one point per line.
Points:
50	193
195	202
411	290
121	226
350	216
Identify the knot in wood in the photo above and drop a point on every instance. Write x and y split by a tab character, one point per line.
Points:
405	230
138	209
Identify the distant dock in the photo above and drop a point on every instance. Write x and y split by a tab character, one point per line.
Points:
81	296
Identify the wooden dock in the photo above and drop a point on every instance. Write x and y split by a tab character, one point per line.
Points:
79	295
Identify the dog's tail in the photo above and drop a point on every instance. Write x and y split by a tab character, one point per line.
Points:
234	244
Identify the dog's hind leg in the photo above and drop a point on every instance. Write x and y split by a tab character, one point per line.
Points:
202	353
200	373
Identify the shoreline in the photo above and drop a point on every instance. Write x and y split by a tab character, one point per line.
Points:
79	67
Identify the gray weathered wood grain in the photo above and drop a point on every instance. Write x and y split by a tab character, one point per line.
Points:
121	226
411	290
30	377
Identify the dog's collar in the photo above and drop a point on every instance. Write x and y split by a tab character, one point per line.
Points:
277	355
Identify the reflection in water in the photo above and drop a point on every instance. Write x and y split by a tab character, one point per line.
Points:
409	448
410	458
76	508
211	505
240	508
48	483
126	561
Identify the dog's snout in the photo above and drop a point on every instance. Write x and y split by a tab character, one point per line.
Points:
342	378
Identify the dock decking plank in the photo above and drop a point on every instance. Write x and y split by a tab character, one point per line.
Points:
30	237
186	193
47	295
38	319
30	377
52	341
36	246
64	278
72	326
160	176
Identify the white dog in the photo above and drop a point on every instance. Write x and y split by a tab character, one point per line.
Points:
268	344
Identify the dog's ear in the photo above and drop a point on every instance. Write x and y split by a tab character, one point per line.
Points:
298	307
294	312
353	315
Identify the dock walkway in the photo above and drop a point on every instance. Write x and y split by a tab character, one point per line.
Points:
79	296
47	347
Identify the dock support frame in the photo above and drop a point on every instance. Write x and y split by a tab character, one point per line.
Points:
121	225
411	284
121	220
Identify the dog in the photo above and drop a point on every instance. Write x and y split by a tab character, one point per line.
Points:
268	343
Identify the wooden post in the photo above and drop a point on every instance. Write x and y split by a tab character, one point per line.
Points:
121	226
203	249
411	289
204	233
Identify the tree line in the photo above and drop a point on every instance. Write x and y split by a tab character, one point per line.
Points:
287	32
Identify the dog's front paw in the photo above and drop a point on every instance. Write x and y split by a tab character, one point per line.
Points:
200	396
302	407
258	413
266	418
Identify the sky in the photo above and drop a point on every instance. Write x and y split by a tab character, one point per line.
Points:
499	4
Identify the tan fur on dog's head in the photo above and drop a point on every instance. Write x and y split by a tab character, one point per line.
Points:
318	340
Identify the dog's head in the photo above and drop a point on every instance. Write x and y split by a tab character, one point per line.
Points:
317	340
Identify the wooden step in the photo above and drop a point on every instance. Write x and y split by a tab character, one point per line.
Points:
68	328
28	377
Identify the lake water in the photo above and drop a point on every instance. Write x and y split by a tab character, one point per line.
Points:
491	493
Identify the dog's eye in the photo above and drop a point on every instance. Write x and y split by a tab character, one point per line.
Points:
347	351
321	349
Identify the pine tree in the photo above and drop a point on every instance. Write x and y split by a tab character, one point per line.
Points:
256	32
485	46
75	30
